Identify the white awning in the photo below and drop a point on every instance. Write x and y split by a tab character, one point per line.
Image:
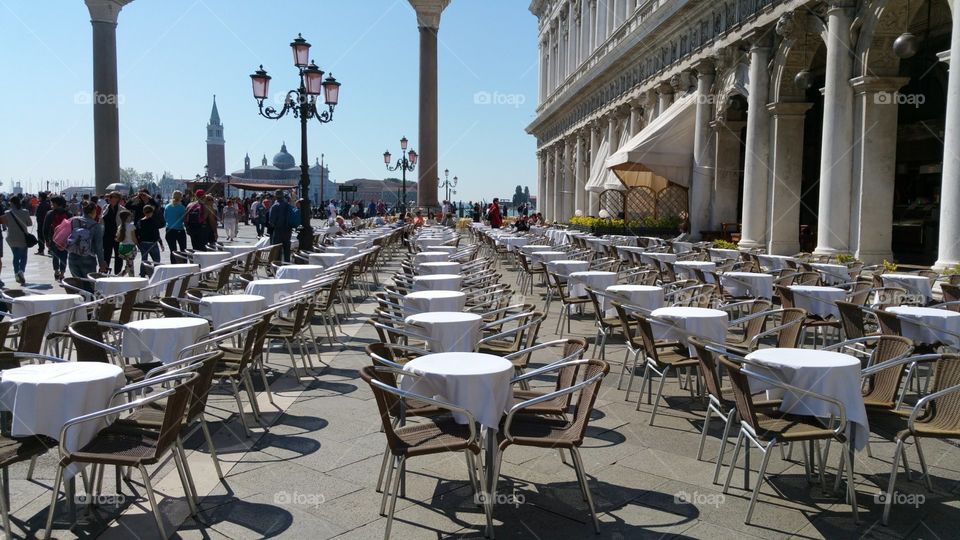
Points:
598	172
664	148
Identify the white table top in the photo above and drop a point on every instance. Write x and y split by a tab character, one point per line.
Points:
913	283
747	284
207	259
237	249
434	268
225	308
433	295
427	301
707	323
40	303
162	338
300	272
437	282
941	325
431	256
817	300
449	331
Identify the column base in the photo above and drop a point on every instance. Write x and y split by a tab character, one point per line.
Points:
829	251
942	264
746	243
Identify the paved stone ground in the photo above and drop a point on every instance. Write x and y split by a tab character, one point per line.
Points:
312	474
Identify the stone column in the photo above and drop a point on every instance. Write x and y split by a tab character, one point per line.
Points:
783	231
428	20
583	41
617	6
836	158
758	147
544	73
541	177
600	17
608	15
636	119
949	248
665	97
546	204
871	219
558	180
106	114
726	180
580	176
593	198
563	37
569	177
704	147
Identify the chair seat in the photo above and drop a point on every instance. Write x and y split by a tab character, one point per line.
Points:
556	406
539	431
136	372
118	445
499	348
610	322
15	450
676	358
789	427
441	435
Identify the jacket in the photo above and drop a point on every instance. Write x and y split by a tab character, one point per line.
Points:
15	232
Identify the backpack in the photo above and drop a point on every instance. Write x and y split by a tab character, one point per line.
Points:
80	240
194	217
293	216
61	231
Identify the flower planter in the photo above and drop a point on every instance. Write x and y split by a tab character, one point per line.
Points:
627	231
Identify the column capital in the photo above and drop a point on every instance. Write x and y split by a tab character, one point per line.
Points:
865	85
789	108
760	39
832	5
105	11
665	88
705	67
428	12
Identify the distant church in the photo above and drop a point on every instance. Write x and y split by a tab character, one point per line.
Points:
283	171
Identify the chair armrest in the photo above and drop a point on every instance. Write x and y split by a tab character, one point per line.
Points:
546	397
800	392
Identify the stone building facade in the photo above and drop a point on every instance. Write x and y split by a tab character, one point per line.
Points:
805	123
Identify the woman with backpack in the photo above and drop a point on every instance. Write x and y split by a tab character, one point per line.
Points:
57	215
173	214
197	222
85	244
17	220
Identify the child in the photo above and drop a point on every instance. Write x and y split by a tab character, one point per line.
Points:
230	220
149	238
127	238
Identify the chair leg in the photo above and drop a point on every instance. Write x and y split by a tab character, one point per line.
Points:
33	464
584	483
393	496
723	444
211	447
923	464
187	490
703	432
263	378
153	500
760	477
391	465
236	396
5	504
383	469
733	460
57	480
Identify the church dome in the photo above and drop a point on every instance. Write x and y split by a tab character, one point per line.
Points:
283	159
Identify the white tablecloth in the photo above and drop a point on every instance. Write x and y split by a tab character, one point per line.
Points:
681	247
239	249
163	272
206	259
349	251
434	268
720	254
429	301
431	256
439	282
480	383
686	268
109	286
162	339
533	248
662	257
273	291
773	263
747	284
579	281
448	249
914	284
825	372
430	242
39	303
625	252
350	241
648	297
300	272
938	322
223	309
547	256
44	397
820	301
564	268
327	259
449	331
832	274
707	323
515	242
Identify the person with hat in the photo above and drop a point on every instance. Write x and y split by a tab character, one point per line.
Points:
111	248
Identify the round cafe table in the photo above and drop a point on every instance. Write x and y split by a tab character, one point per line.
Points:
515	242
43	397
720	254
424	243
648	257
349	251
564	268
773	263
647	297
819	301
224	309
109	286
675	322
625	251
914	284
595	279
547	256
448	331
533	248
747	284
327	259
162	339
450	250
164	272
433	268
832	274
429	301
300	272
936	326
239	249
349	241
825	372
686	268
274	290
437	282
431	256
40	303
206	259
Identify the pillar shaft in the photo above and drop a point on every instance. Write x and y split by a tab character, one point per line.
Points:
783	207
703	155
580	176
558	176
726	180
949	248
427	188
758	149
593	198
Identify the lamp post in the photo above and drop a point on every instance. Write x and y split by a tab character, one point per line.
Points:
302	102
446	184
407	162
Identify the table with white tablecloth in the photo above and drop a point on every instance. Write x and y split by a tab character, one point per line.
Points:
351	241
349	251
429	301
828	373
914	284
685	269
162	339
438	282
434	268
546	256
597	244
533	248
832	274
681	247
239	249
564	267
514	242
721	254
646	297
109	286
626	251
424	243
300	272
448	331
44	397
675	323
647	257
206	259
431	256
224	309
448	249
163	272
326	259
819	301
747	284
929	326
40	303
273	290
774	263
578	282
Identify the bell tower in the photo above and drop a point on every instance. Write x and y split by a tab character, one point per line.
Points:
216	158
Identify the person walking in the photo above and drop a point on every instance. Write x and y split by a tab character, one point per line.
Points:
173	214
198	222
127	239
43	206
493	214
85	251
280	223
57	215
110	246
259	214
148	236
230	220
17	219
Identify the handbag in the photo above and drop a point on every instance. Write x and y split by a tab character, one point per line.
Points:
28	238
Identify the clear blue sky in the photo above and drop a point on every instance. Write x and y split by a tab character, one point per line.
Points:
175	54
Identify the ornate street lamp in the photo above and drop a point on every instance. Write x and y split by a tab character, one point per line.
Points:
407	162
302	102
446	184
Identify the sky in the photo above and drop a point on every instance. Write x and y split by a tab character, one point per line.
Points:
174	55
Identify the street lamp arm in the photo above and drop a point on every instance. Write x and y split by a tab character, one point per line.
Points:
402	165
290	104
322	117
